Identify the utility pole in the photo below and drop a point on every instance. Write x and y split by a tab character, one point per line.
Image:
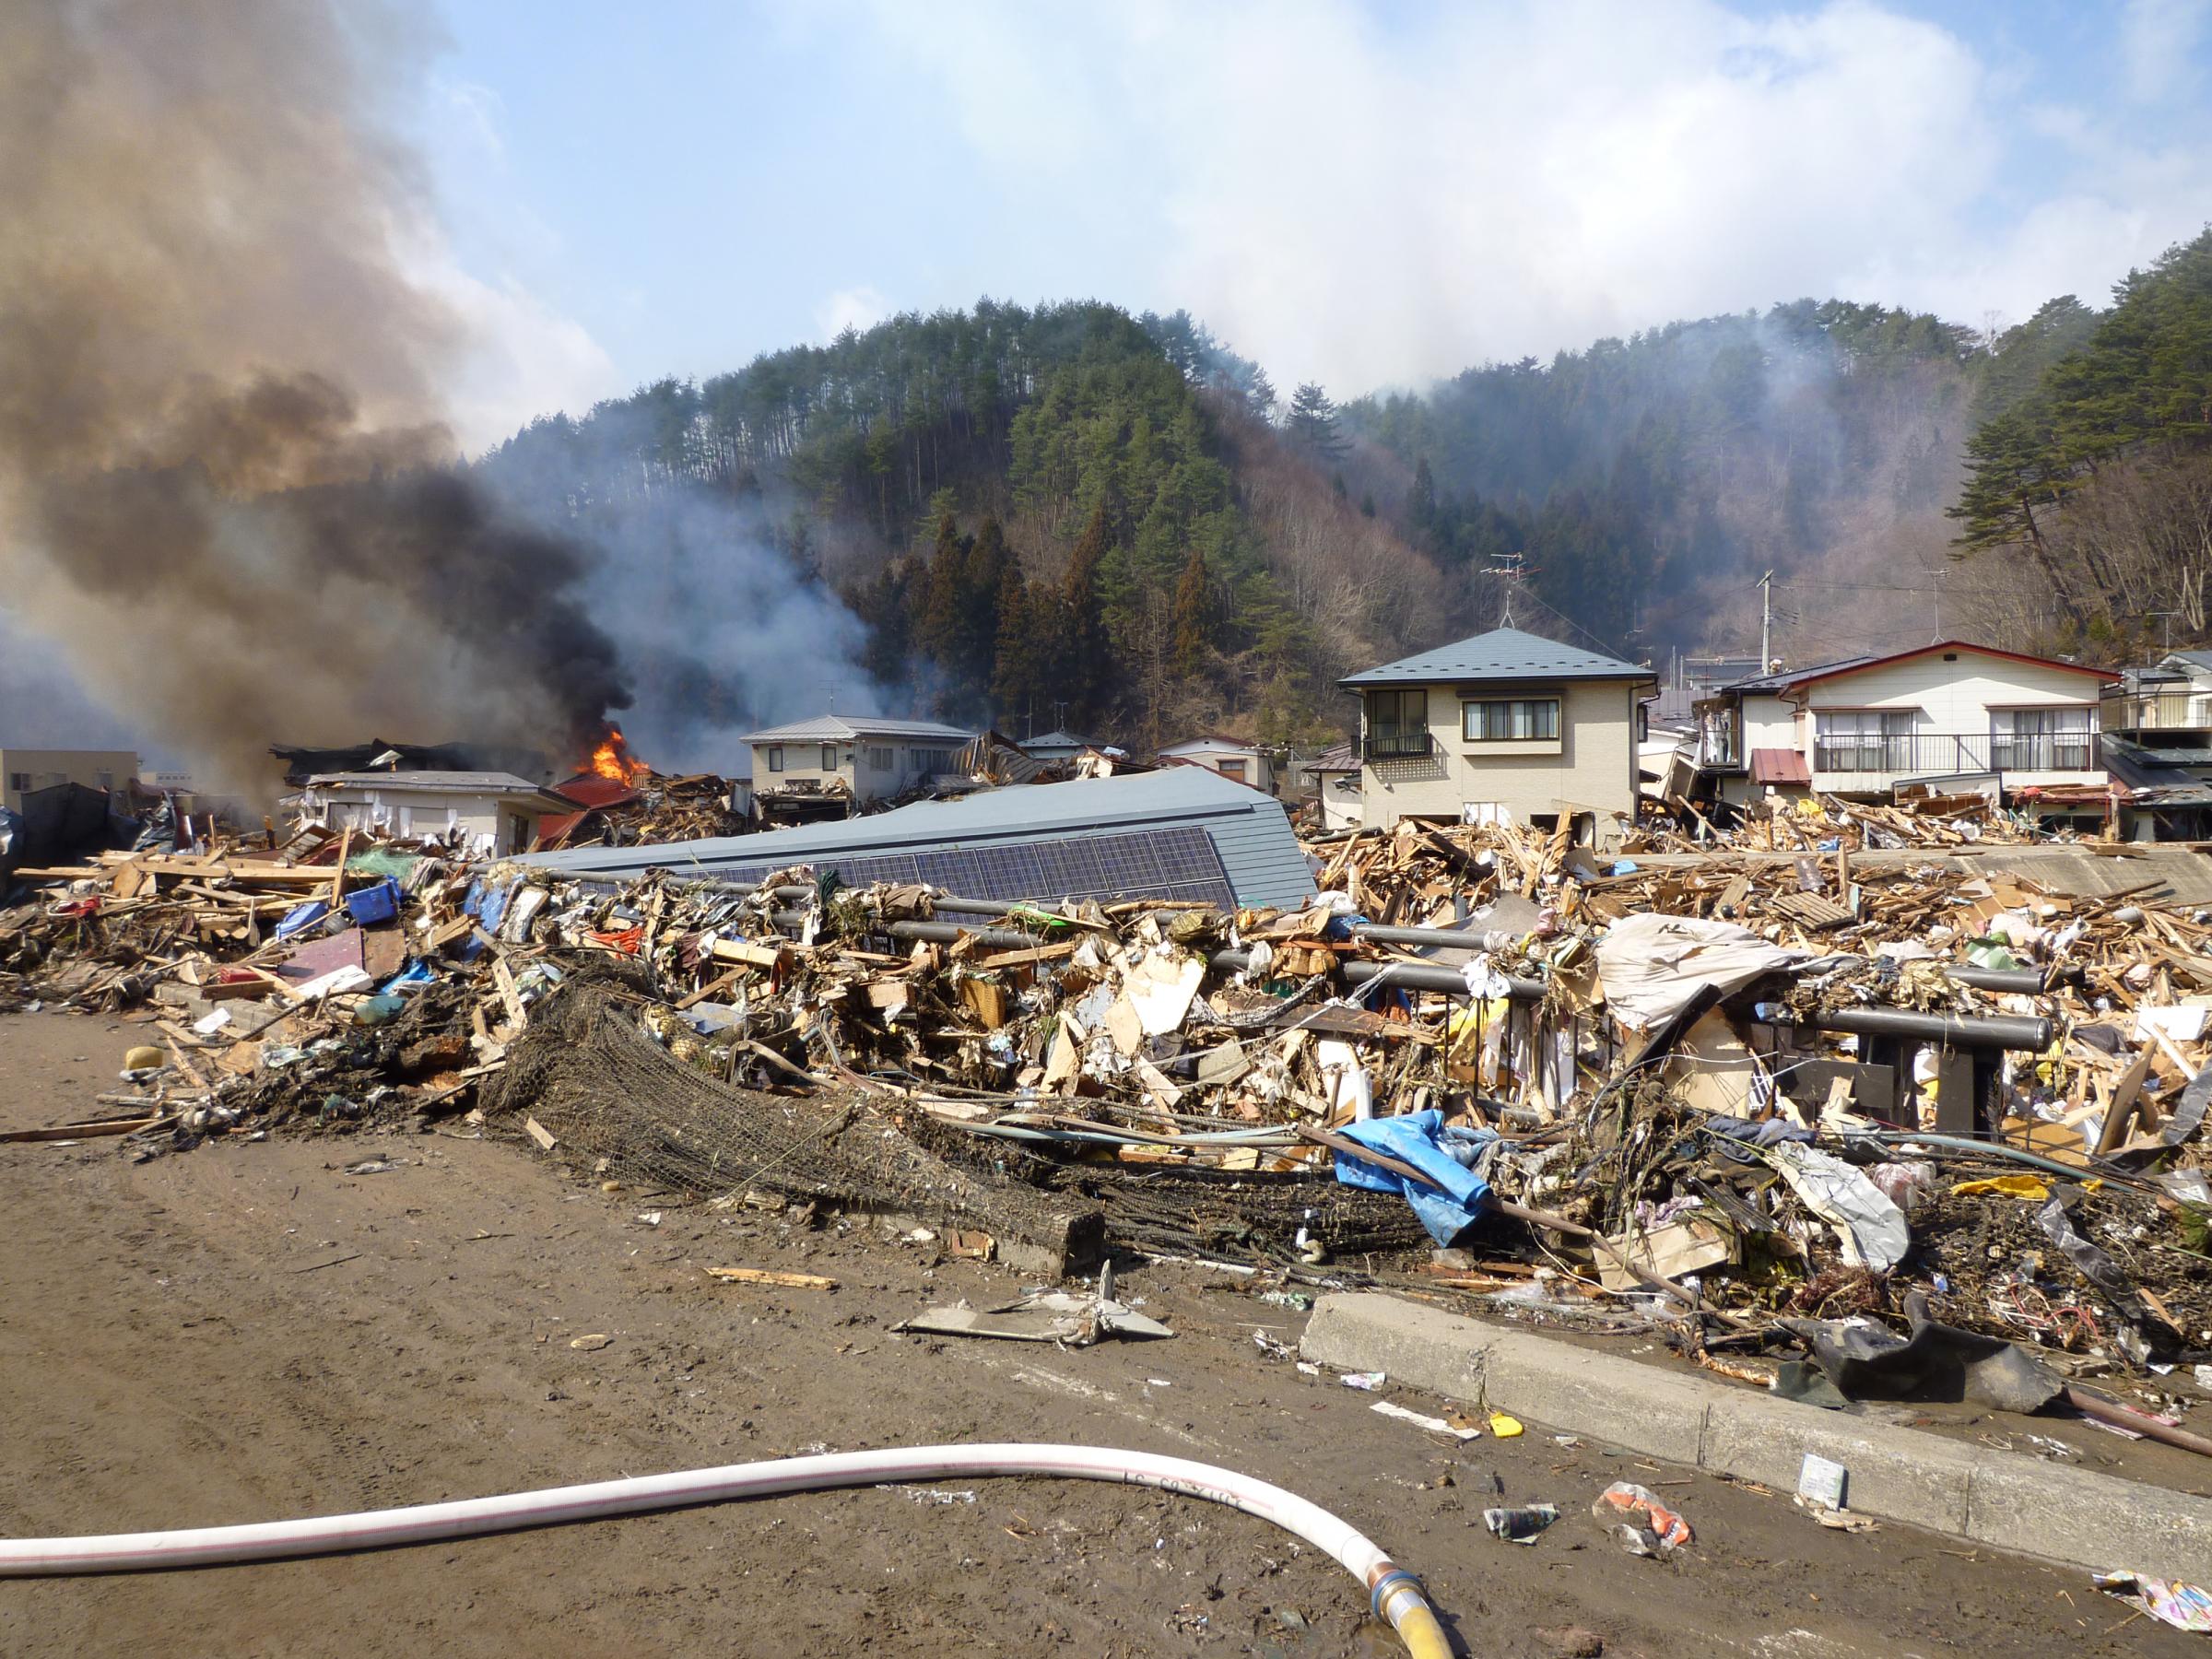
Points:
2169	617
1942	574
1766	622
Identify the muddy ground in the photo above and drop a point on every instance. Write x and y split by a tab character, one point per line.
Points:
249	1332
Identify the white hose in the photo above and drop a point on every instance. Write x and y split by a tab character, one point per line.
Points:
1395	1594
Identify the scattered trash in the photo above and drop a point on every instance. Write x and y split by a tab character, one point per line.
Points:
1069	1318
1435	1425
591	1344
1367	1380
1645	1515
1503	1426
1519	1525
1822	1481
2170	1601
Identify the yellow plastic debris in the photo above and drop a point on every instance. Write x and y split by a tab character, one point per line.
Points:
1504	1427
2006	1186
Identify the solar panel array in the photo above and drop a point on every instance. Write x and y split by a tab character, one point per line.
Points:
1178	862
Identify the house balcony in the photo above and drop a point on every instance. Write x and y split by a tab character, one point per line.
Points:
1398	745
2169	709
1870	764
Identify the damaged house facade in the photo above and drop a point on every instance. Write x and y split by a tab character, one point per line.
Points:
492	815
1504	727
822	768
26	770
1947	718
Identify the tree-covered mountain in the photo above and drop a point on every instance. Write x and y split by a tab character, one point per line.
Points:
1067	515
1647	482
1048	516
2090	479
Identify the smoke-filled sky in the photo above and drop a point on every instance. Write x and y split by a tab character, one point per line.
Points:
1363	194
256	244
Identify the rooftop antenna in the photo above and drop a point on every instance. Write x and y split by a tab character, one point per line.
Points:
1512	568
1766	623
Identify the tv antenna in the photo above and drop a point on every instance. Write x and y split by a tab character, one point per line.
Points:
1513	570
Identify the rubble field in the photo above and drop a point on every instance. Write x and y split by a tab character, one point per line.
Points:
1807	1105
255	1330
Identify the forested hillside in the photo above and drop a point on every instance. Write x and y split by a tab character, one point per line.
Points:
2090	481
1068	515
1649	482
1064	515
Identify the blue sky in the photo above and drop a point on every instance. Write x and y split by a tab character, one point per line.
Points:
1364	194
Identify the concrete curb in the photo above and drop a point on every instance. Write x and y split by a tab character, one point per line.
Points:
2001	1499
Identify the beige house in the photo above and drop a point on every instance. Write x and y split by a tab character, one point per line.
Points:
486	814
1504	727
25	769
1229	757
837	759
1947	715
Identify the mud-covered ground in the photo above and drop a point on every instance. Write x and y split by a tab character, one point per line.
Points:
249	1332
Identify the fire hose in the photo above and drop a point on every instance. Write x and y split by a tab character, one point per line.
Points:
1394	1594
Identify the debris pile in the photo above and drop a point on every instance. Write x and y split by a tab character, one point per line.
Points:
1800	1109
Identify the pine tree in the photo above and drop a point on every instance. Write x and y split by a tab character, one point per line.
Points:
983	581
1085	653
1015	667
1197	616
1314	421
944	599
1420	508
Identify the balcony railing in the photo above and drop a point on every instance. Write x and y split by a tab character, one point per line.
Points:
1933	754
1721	751
2179	710
1399	746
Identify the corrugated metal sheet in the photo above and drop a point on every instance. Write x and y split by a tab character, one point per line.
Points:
1250	832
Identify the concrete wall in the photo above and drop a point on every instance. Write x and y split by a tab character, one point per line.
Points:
1590	768
25	769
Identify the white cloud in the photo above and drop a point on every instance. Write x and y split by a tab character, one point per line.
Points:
2158	40
860	308
1360	197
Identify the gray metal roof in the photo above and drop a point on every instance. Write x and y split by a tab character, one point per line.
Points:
1057	742
1503	654
1249	831
441	782
1775	682
838	728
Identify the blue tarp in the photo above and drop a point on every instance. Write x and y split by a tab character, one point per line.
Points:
1419	1138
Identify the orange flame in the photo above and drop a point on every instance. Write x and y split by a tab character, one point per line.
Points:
613	760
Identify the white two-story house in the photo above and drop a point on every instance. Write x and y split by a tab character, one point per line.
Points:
823	767
1947	715
1502	727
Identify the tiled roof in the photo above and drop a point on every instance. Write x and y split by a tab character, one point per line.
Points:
1503	654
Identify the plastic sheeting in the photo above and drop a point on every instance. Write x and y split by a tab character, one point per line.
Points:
1873	1230
1651	966
1450	1206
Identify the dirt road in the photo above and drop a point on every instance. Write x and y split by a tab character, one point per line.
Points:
252	1330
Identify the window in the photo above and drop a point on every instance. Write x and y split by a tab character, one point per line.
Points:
775	757
1865	740
105	779
828	757
881	759
1231	769
1397	723
2041	739
928	763
18	780
1521	720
